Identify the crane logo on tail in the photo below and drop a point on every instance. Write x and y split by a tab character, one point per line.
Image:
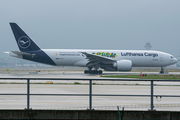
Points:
24	42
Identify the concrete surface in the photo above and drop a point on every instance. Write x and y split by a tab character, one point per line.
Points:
79	74
82	102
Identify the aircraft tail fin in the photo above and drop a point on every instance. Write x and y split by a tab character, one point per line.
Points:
25	43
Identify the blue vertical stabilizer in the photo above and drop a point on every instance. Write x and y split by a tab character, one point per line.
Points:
25	43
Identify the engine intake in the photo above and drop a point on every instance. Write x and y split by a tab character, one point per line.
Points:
123	65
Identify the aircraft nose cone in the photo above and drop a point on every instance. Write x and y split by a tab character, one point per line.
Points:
175	60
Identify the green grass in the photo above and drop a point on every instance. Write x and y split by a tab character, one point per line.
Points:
169	77
77	83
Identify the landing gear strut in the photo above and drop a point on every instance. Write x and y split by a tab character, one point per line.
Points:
162	70
93	72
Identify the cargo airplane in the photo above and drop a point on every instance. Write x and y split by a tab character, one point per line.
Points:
109	60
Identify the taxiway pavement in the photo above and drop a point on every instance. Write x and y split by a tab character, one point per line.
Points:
82	102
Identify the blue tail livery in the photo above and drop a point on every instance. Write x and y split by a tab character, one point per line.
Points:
23	40
29	50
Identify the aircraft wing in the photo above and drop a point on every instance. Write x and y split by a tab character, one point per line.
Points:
98	59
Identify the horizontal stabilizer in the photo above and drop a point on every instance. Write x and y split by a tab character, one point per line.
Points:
6	52
22	53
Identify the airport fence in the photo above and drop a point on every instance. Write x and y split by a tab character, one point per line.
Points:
151	95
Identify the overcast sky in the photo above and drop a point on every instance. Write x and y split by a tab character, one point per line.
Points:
93	24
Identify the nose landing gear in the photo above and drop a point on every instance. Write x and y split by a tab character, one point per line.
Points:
162	70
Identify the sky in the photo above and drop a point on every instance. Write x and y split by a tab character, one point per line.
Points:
93	24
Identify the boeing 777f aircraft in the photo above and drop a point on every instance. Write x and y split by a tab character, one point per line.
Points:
109	60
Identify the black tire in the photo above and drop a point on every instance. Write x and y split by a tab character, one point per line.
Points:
100	72
91	72
86	72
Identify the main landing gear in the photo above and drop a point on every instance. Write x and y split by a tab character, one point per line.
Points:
162	70
93	72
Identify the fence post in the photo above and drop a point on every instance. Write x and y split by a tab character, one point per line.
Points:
152	106
28	93
90	94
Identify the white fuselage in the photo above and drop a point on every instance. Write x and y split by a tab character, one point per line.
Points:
139	58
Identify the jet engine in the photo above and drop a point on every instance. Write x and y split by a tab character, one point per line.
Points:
123	65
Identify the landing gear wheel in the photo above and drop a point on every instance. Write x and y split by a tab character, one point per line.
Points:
162	71
92	72
100	72
86	72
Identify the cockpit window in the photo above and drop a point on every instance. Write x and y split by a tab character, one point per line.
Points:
171	56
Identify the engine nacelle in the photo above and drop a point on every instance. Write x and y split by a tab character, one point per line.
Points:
123	65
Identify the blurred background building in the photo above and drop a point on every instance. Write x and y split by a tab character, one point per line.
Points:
148	46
